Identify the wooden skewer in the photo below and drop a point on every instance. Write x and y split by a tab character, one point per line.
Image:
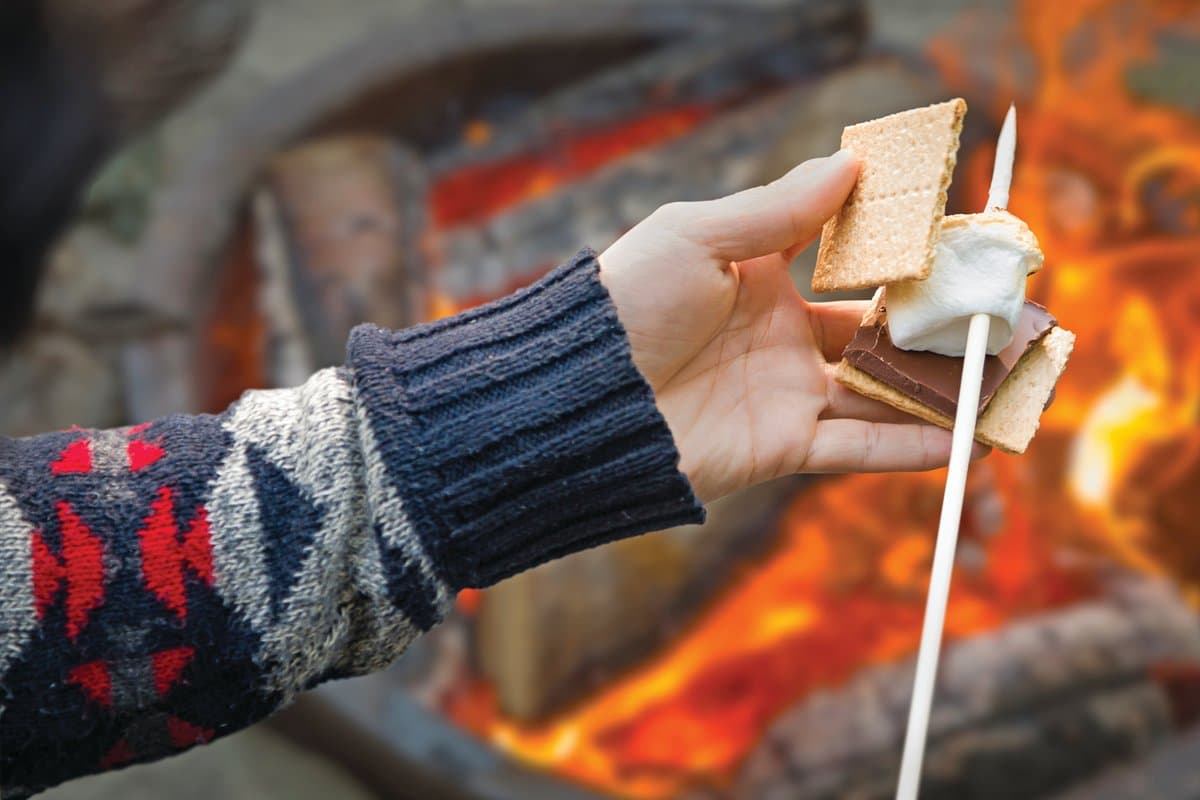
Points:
952	500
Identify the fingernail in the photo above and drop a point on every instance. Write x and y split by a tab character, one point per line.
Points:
841	158
831	165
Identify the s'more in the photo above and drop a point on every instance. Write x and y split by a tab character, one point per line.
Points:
934	272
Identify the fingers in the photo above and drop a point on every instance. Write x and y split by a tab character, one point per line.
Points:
771	218
842	403
834	324
851	445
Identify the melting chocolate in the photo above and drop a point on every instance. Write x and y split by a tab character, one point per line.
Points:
932	379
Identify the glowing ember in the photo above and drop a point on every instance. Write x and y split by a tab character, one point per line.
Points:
474	193
231	358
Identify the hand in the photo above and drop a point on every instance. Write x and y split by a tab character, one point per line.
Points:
739	362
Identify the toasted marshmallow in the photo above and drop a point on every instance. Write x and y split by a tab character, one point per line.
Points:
980	265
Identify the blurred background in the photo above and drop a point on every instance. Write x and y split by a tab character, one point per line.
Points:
400	160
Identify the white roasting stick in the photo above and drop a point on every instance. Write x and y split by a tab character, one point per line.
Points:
952	500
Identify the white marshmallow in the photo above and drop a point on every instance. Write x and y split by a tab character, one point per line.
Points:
980	265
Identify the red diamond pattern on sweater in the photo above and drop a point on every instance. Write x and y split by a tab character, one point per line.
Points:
48	573
75	459
95	677
168	666
94	680
80	567
142	454
164	556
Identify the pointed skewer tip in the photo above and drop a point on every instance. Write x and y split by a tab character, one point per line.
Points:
1006	146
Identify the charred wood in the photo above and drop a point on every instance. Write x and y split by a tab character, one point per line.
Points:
339	225
1021	712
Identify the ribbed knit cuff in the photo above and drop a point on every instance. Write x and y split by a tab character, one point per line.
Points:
520	431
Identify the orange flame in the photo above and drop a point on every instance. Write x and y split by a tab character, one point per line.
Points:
845	589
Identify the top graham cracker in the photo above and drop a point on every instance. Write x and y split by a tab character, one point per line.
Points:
887	230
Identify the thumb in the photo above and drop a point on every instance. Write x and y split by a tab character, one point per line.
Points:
776	217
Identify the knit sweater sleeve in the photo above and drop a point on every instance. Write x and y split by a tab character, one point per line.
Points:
165	584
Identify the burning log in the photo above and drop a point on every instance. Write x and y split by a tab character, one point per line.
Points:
553	212
716	159
705	74
580	620
339	225
1022	757
1034	707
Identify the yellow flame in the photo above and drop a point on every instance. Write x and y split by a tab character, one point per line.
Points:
1135	411
1110	435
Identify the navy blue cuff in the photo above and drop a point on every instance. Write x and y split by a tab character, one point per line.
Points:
520	431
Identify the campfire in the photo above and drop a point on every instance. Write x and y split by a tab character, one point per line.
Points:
1115	205
768	655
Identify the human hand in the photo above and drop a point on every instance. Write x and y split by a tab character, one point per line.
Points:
739	362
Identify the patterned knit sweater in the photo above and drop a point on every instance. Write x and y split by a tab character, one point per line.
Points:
169	583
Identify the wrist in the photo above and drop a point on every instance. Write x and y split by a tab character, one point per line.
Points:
521	431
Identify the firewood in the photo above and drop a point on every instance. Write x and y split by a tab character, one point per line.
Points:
713	69
715	159
338	224
1030	708
549	636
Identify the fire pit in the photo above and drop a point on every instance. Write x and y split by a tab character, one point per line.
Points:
627	77
767	655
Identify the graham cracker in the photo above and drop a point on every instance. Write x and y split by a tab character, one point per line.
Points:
1012	418
888	227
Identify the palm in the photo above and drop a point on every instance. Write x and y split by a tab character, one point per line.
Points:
744	406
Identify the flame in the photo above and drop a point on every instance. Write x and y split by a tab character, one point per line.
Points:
1111	184
1136	409
845	589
